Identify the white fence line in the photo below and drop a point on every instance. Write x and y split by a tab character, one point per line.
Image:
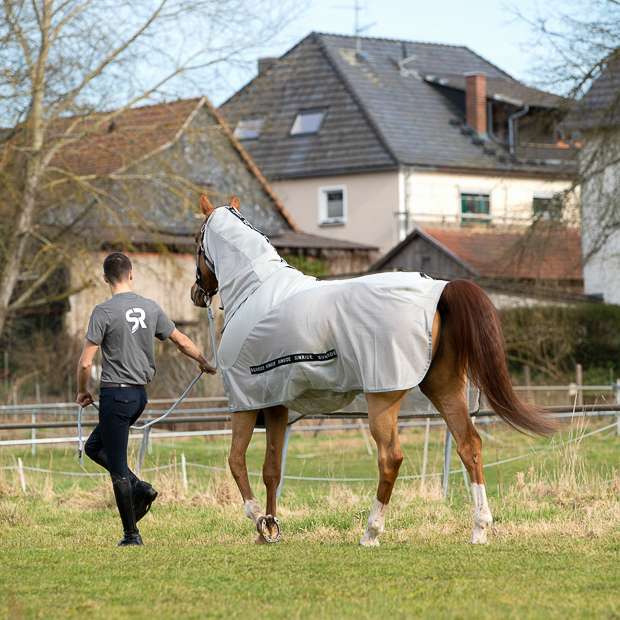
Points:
319	428
184	464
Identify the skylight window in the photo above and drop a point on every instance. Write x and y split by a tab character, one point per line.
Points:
308	122
248	129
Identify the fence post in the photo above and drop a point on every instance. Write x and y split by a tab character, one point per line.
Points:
527	379
184	470
365	434
145	440
33	418
616	387
149	440
446	462
579	380
6	372
428	426
287	436
20	468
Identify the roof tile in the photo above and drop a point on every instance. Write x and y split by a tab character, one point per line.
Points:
554	255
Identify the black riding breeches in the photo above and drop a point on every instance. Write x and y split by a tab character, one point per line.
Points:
119	408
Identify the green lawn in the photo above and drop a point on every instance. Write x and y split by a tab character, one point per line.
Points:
553	551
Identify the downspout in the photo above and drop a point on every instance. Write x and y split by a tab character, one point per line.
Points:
407	198
511	127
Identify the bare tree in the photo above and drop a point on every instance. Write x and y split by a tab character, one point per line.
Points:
578	54
69	69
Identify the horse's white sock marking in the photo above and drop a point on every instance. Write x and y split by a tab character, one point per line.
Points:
482	514
376	525
253	510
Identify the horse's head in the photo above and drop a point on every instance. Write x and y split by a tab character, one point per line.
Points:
206	284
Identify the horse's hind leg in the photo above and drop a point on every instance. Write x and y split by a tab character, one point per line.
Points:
383	411
447	391
242	429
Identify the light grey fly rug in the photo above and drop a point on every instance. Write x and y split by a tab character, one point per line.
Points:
312	345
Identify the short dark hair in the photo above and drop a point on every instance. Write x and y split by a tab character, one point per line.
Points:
116	267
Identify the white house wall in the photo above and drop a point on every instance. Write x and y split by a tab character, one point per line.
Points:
599	197
435	197
372	200
432	198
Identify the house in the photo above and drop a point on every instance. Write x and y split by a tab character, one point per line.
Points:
370	144
514	269
596	117
160	158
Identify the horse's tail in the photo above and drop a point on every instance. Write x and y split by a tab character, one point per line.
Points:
476	333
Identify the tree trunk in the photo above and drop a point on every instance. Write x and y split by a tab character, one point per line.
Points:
19	239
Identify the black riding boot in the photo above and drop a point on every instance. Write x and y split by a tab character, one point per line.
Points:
123	492
143	493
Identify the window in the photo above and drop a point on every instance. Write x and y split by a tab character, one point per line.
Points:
546	206
332	205
248	129
475	202
308	122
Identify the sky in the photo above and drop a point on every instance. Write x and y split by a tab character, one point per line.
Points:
488	27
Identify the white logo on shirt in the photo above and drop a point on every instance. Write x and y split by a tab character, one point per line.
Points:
138	321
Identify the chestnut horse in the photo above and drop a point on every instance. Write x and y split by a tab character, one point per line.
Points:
467	341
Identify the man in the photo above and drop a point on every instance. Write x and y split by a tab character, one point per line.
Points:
124	327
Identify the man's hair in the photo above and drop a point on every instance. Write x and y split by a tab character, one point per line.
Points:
116	267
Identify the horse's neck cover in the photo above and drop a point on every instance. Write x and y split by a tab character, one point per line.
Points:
242	257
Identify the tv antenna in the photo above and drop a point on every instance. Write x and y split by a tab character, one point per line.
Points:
357	30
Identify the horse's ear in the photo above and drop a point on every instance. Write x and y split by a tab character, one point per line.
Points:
205	206
234	202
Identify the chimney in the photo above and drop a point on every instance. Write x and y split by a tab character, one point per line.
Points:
264	64
476	100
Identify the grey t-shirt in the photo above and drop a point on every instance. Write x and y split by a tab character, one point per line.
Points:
125	326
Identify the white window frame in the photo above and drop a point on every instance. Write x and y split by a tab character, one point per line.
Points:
332	221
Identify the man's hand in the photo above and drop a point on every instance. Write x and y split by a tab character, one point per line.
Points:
84	398
206	366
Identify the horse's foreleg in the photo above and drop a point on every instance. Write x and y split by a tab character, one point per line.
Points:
276	419
275	426
242	429
446	390
383	411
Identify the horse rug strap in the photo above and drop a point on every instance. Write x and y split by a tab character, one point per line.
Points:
314	345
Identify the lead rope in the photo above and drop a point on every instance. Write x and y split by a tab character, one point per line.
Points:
144	426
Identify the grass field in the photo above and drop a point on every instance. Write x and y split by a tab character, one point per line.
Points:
554	547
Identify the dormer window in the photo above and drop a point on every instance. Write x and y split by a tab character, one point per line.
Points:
308	122
248	129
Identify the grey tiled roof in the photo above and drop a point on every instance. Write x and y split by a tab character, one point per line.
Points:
305	79
377	117
292	239
600	106
281	238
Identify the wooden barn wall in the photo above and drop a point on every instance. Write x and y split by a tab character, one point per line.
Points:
419	255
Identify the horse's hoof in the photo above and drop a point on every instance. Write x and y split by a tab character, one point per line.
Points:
479	538
369	542
270	529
